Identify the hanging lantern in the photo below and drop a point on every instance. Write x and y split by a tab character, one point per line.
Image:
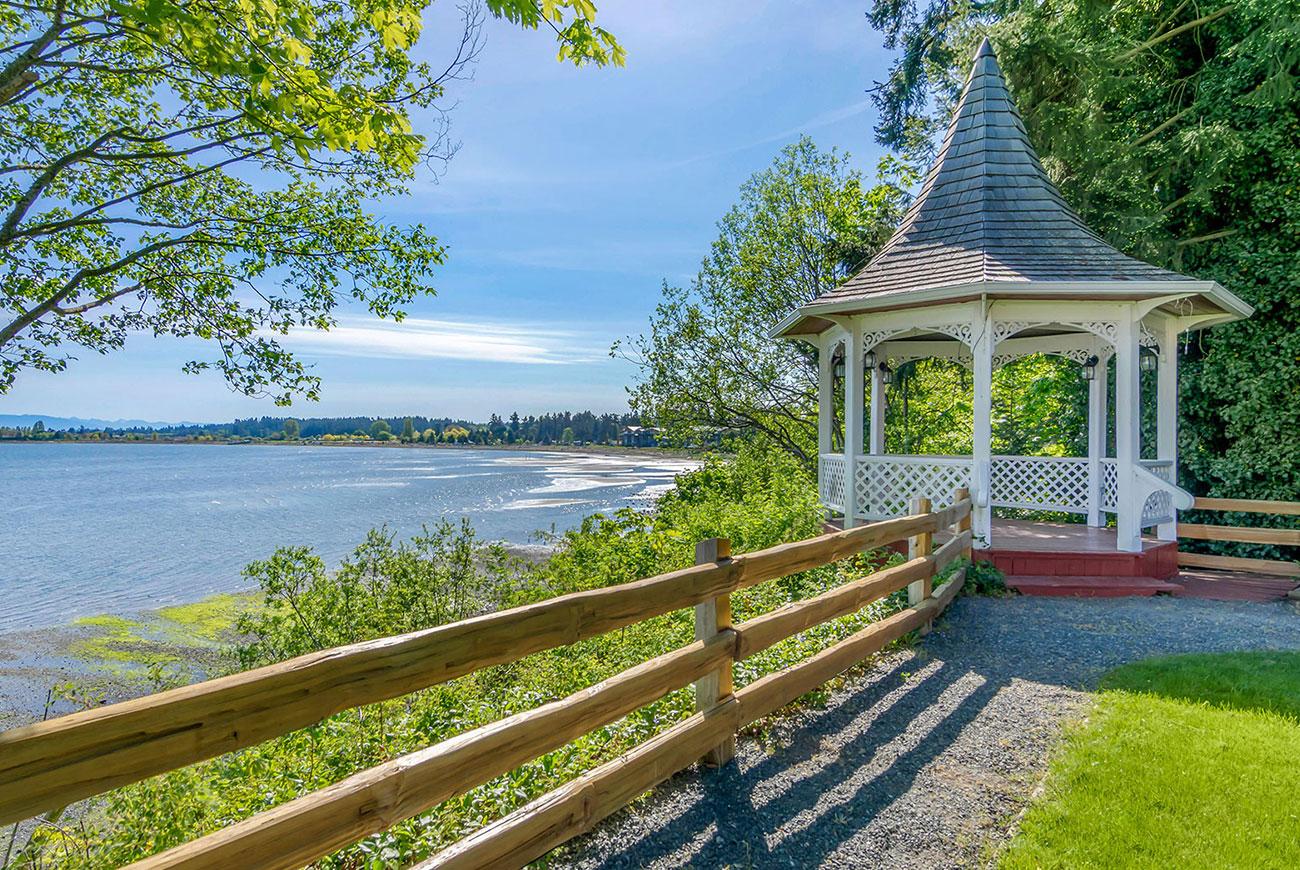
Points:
869	360
1147	362
886	373
1090	368
837	367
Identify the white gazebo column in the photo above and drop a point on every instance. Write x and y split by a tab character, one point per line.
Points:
876	445
1167	412
853	408
1127	433
982	440
1097	394
825	395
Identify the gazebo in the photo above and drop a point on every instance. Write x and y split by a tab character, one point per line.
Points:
990	264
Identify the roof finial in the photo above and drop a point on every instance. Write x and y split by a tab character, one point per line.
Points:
985	49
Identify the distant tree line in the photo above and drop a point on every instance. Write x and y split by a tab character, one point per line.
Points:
563	427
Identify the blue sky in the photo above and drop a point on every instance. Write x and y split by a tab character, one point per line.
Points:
574	195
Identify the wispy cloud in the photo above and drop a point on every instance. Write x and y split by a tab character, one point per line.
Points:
478	340
825	119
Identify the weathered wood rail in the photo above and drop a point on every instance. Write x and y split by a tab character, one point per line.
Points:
48	765
1242	535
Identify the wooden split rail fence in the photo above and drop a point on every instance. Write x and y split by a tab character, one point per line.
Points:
1242	535
51	764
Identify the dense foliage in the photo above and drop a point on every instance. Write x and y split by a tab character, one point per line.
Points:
202	169
387	586
1174	129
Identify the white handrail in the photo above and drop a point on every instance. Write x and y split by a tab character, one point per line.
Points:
1149	483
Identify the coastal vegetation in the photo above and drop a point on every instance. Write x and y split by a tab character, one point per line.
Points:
756	498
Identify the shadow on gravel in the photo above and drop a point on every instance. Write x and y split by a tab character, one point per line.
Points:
917	761
825	804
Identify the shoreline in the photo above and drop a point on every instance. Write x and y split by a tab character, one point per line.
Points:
118	653
649	453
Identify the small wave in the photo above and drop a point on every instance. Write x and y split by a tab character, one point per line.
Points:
368	483
524	504
580	484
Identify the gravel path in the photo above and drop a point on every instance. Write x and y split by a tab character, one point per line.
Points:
927	760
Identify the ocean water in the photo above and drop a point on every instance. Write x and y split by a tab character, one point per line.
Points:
88	529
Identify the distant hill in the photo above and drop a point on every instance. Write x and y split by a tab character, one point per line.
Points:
22	421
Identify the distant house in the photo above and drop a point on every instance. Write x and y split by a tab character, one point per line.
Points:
640	436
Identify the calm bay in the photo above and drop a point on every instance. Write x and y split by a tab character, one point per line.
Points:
88	529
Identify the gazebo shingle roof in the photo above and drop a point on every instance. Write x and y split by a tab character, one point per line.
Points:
987	212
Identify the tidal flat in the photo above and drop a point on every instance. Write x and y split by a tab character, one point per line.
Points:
107	658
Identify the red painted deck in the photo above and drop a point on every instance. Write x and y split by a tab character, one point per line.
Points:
1025	549
1077	560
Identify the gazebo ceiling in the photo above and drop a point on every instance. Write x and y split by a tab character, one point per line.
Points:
989	222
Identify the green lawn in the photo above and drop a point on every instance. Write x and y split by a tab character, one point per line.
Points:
1187	761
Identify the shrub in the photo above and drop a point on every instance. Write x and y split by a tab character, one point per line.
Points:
985	578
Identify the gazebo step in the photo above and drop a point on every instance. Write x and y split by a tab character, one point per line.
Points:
1090	587
1156	561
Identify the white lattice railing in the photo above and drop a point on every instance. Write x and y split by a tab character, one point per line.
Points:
887	484
1109	485
1054	483
831	477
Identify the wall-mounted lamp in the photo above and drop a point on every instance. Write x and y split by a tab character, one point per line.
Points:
1090	368
869	360
1148	362
838	368
886	373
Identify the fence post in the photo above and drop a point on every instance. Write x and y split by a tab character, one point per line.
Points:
963	524
712	617
917	546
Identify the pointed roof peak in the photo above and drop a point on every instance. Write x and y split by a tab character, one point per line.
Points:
988	212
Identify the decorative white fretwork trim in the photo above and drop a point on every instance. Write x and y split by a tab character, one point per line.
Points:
1078	354
1107	329
1004	329
962	331
871	339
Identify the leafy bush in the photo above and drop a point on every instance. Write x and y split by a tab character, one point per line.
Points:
985	578
386	587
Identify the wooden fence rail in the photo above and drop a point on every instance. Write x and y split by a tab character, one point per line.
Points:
1242	535
51	764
